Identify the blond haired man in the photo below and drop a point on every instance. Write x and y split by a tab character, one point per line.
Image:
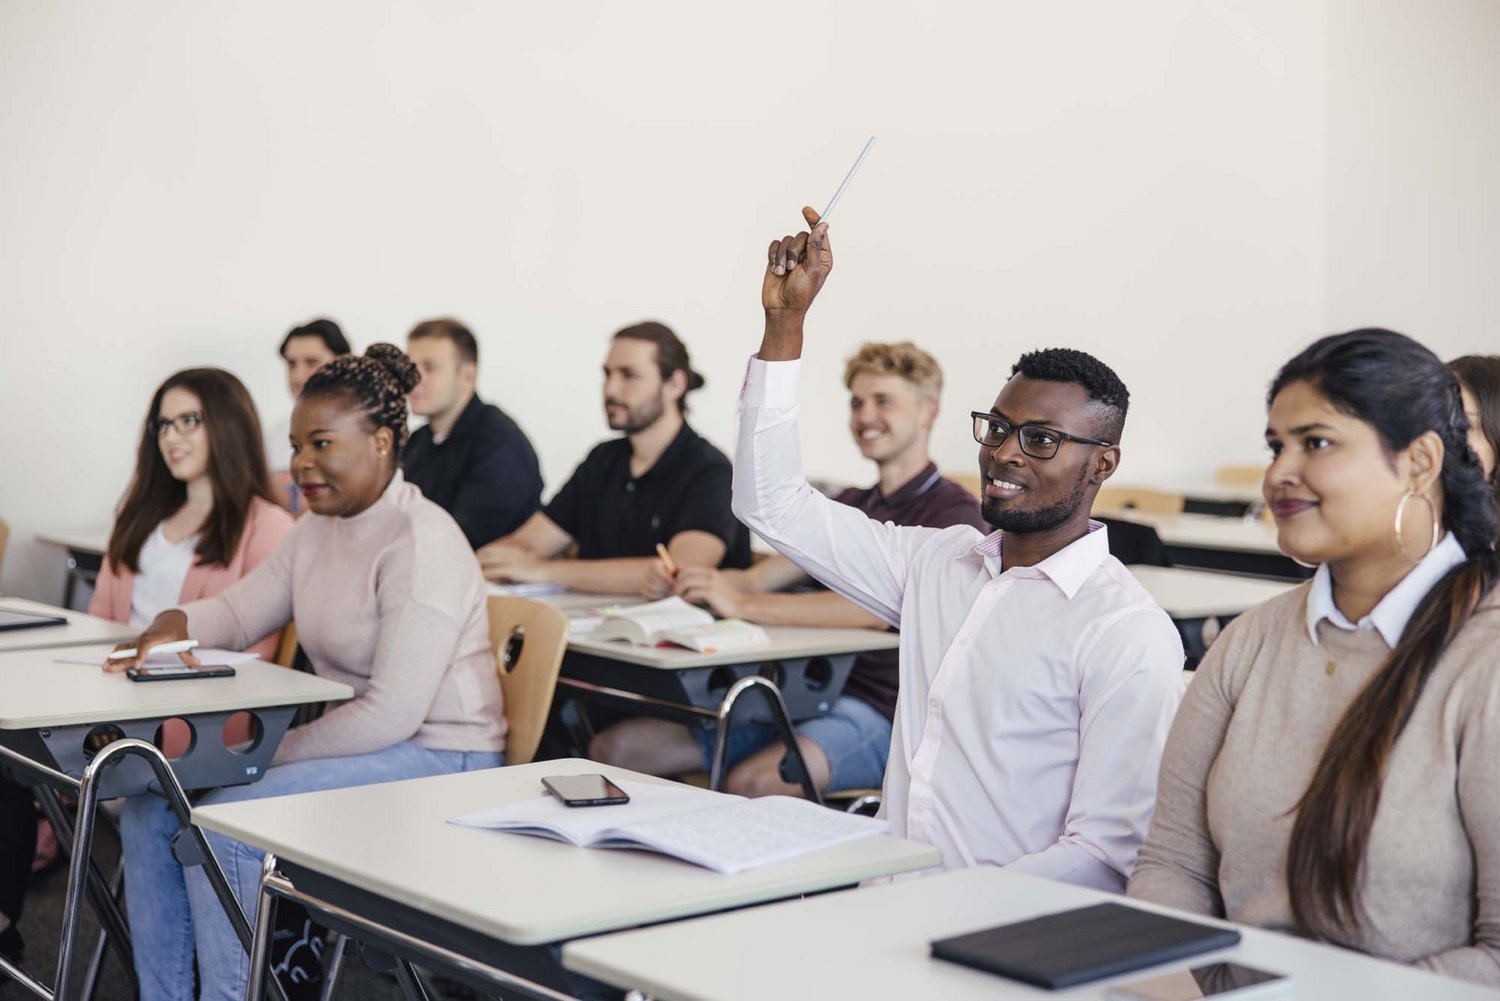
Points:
894	392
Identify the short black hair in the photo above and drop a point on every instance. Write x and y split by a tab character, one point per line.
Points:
324	330
1096	378
446	327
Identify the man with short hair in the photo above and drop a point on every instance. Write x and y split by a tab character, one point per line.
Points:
470	458
659	484
1038	678
894	392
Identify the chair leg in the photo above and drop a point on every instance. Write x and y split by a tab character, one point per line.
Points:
333	967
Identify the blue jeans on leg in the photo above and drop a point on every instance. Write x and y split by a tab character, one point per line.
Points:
174	912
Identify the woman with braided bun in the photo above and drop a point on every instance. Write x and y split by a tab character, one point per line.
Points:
1332	769
388	599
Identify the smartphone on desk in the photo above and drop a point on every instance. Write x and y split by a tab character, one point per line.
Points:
1226	981
175	672
585	790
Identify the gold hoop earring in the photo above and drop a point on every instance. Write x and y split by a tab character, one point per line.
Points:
1437	524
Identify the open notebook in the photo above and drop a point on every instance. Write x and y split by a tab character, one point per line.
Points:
674	621
728	834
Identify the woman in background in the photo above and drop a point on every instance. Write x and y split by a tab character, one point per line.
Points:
305	349
1479	377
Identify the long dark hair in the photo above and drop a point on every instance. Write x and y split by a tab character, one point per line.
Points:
1402	390
1480	375
236	468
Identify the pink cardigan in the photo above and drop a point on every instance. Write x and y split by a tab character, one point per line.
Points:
264	528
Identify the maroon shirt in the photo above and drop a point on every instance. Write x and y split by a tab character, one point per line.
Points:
927	500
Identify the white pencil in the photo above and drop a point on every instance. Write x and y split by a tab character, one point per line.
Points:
176	646
847	178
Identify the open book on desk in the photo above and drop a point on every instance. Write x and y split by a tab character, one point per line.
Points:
673	621
725	833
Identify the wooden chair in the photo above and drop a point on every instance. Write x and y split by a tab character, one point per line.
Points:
4	538
286	653
1114	500
529	640
1239	476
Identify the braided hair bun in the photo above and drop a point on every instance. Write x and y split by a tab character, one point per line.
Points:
376	383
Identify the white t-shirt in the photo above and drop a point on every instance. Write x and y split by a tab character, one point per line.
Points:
158	587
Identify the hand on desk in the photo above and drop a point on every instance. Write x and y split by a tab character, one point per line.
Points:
705	586
506	562
168	627
657	581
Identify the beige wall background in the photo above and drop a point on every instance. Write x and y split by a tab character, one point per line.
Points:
1191	190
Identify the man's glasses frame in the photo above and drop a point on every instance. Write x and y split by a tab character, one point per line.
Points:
1037	440
185	424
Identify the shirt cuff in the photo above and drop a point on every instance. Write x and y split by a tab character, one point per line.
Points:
772	384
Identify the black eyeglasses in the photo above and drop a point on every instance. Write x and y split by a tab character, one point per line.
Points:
185	424
1037	440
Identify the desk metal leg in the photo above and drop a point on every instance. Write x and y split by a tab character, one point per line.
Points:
768	691
333	966
96	961
194	850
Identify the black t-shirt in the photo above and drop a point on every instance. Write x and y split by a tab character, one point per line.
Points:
610	514
484	473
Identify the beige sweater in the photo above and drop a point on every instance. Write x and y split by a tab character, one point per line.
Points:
1242	751
390	602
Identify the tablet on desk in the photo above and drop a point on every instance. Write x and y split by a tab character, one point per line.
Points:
11	618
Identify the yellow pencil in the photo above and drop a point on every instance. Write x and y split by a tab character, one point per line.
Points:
666	560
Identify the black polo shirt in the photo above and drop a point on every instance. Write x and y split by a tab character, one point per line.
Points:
611	514
484	473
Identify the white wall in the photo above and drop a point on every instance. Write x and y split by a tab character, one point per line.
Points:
1157	182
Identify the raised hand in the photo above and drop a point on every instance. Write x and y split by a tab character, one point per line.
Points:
796	268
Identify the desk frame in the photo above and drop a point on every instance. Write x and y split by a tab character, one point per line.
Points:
189	845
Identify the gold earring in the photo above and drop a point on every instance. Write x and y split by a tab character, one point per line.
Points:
1437	524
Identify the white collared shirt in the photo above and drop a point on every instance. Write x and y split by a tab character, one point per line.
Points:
1395	610
1034	703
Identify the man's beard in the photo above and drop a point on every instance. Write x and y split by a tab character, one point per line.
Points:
1040	519
640	418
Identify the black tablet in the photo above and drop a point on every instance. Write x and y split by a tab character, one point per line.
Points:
11	618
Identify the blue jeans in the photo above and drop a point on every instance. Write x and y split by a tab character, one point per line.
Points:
173	910
853	736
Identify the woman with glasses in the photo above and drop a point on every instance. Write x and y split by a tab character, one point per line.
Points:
200	512
1332	769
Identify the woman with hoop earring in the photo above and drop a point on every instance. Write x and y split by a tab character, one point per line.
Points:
1332	769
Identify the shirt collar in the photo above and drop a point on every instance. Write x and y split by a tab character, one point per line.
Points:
1068	568
1390	616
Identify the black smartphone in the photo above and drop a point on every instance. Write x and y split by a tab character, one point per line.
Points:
585	790
176	672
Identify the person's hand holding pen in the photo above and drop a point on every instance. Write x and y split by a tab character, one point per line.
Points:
660	577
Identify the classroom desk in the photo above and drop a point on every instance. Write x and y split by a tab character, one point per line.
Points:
797	676
381	864
85	549
81	629
872	944
1189	595
1210	542
49	714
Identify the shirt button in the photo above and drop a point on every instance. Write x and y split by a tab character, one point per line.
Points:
630	488
932	703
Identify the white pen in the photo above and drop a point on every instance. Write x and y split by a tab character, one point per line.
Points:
847	178
176	646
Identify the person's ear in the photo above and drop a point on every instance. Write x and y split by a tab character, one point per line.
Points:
468	374
1424	461
928	408
384	440
1105	464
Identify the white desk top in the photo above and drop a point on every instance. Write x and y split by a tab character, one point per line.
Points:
40	692
394	840
83	540
81	630
786	642
1207	531
872	944
1195	594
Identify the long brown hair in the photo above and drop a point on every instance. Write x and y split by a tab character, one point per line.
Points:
1402	390
236	468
